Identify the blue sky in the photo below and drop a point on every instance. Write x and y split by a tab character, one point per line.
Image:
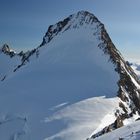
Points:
23	23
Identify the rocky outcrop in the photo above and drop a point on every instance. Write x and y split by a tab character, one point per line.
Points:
54	31
6	50
117	124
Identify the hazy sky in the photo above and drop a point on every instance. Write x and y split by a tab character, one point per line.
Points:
23	23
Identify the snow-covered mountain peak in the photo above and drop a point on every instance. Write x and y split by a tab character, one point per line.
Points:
77	60
81	18
84	17
85	27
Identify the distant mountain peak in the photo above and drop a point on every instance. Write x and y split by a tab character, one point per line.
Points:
7	50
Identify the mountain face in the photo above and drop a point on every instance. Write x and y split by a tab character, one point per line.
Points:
58	90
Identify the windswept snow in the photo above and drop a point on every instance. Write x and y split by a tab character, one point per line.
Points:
59	106
13	127
81	119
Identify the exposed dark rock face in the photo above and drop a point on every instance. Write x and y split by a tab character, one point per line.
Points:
127	89
25	57
6	50
54	31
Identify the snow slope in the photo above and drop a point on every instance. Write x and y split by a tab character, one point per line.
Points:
136	67
84	117
129	132
56	95
7	64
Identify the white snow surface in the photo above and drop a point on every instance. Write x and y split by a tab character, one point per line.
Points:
136	67
51	93
129	132
7	64
84	117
